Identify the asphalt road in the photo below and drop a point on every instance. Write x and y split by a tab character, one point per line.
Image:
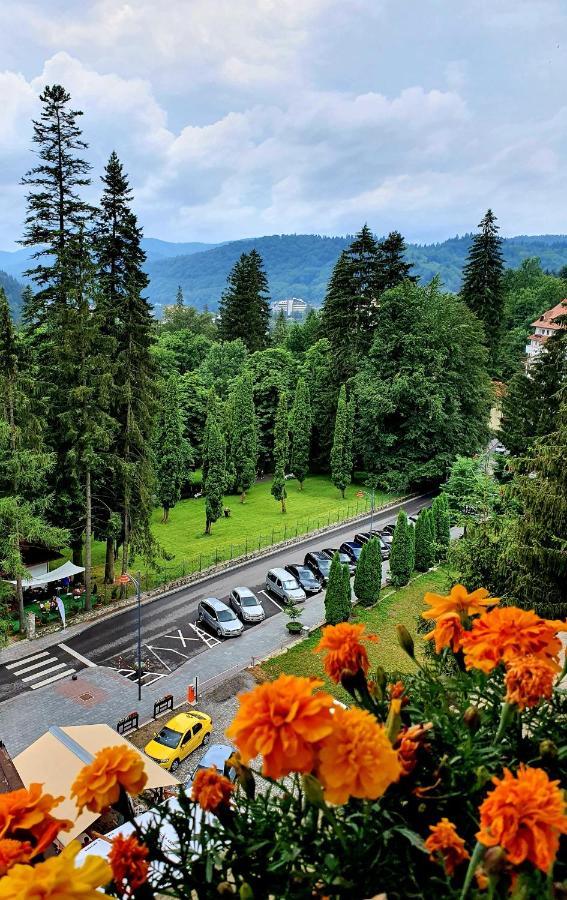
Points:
170	635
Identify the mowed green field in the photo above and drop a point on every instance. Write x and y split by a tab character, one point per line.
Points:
252	525
401	606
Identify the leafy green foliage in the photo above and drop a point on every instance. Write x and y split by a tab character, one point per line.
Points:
424	541
336	609
341	453
281	451
242	451
441	525
471	491
402	552
368	575
173	454
215	480
300	423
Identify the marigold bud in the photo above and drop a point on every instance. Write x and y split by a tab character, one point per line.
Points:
313	790
472	719
405	641
225	889
246	892
548	749
494	861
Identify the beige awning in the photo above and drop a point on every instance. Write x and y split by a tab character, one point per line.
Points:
56	758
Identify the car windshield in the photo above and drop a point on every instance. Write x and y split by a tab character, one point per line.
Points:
304	572
168	737
324	565
247	600
291	585
344	557
225	615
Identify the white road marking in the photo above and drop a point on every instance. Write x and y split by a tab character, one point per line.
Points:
37	665
158	657
83	659
22	662
170	650
271	599
53	678
206	638
45	672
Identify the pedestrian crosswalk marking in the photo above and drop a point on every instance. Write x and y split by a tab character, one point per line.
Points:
37	665
22	662
44	672
53	678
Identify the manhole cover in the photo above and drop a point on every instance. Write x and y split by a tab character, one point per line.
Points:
86	697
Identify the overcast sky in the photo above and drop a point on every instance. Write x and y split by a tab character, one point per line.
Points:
239	118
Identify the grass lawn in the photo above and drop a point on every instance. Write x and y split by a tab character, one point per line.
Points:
251	526
401	606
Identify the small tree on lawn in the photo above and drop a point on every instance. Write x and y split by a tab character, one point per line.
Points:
368	577
334	597
281	450
341	453
424	541
214	484
347	593
401	552
441	524
300	423
243	434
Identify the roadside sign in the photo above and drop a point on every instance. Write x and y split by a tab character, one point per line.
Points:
360	494
123	579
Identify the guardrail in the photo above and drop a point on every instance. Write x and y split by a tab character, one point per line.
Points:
128	723
162	705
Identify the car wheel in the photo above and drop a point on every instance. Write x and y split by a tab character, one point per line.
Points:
174	766
206	740
219	632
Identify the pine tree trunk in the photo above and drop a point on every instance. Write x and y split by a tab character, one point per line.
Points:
208	526
165	516
88	540
109	561
20	596
301	485
243	496
283	505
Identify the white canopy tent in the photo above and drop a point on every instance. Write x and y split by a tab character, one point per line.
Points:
64	571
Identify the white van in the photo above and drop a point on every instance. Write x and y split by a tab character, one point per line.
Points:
284	586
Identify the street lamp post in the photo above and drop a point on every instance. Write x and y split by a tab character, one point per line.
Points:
124	579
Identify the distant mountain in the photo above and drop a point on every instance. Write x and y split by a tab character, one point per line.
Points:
13	289
298	265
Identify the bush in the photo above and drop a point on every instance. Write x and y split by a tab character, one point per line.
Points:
424	541
368	576
401	565
441	526
335	607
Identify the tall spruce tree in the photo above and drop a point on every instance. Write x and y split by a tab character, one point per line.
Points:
424	541
347	593
244	308
300	425
279	331
179	297
391	266
243	444
482	287
9	369
441	525
173	454
368	575
335	607
401	552
281	451
127	486
215	482
341	453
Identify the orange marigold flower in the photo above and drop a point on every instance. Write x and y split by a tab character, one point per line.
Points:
525	815
502	634
356	759
445	841
448	632
26	814
12	852
211	789
397	692
528	680
129	863
408	744
345	651
98	784
282	720
57	878
458	601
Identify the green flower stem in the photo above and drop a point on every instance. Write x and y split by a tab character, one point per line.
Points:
475	859
506	716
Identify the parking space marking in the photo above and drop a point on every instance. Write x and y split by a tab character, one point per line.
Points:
207	639
271	599
151	649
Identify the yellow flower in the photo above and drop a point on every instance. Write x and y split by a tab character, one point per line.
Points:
356	759
57	878
98	784
458	601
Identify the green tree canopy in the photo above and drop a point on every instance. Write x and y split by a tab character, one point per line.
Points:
173	454
368	575
244	308
482	280
341	453
300	431
281	452
243	434
401	553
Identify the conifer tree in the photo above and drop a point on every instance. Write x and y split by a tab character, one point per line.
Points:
520	414
214	484
482	288
279	331
335	594
401	552
300	424
127	488
442	525
368	575
341	453
347	593
424	542
391	267
172	451
244	308
336	317
9	367
411	545
179	297
213	415
243	444
281	451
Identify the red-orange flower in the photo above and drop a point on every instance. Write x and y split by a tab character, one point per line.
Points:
26	814
408	744
528	680
448	632
211	789
282	720
345	650
525	815
12	852
502	634
129	863
397	692
458	601
356	759
98	785
445	841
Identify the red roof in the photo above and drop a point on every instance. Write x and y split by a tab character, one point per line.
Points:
546	320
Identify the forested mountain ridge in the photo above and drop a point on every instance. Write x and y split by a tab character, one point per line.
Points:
297	265
13	290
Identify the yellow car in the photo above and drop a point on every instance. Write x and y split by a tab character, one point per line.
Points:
178	738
